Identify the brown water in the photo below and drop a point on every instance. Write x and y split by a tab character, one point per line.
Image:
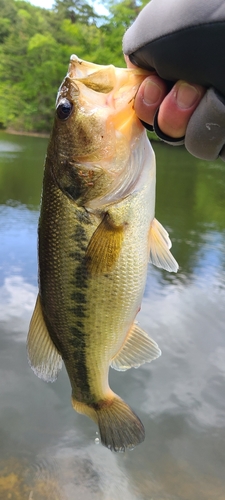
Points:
47	451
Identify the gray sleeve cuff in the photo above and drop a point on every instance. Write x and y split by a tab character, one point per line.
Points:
205	134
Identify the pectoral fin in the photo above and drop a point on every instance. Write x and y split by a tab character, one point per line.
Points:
43	356
104	246
159	245
138	349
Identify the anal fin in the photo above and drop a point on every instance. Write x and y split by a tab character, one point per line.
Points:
138	349
43	356
159	248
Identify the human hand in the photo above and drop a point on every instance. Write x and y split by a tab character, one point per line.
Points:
173	109
184	47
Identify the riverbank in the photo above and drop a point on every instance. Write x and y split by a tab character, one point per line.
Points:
32	134
152	136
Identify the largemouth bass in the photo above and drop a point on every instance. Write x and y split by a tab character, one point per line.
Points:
97	232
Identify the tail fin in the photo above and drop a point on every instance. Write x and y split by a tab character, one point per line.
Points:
119	427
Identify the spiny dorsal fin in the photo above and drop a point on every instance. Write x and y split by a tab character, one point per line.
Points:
104	246
159	245
138	349
43	356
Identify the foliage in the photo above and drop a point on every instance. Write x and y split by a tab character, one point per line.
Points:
35	46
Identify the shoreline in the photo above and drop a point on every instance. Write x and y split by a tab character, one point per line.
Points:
45	135
31	134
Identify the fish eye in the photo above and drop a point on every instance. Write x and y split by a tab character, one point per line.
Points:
64	109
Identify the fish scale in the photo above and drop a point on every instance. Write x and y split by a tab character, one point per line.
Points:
97	231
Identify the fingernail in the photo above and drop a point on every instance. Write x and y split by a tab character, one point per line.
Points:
187	95
152	92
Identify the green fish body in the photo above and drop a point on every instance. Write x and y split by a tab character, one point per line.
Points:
97	232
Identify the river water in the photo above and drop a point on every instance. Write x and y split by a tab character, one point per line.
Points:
47	451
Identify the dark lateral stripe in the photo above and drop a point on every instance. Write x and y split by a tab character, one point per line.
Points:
79	235
79	296
78	311
79	282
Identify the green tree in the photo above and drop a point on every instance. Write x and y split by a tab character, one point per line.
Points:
35	46
76	10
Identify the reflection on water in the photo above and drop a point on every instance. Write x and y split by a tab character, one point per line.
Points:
48	451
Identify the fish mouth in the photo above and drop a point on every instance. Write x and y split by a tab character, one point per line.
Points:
92	75
106	93
116	86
